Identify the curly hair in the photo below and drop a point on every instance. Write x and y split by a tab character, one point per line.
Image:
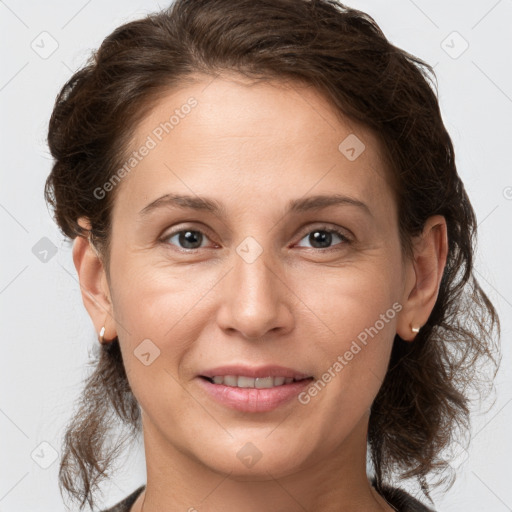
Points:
425	397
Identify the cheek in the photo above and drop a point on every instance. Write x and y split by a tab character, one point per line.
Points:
354	314
159	315
346	301
156	336
154	300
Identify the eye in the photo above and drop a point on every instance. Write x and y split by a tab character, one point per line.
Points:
193	239
186	238
322	237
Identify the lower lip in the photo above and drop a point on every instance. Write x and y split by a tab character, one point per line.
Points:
254	399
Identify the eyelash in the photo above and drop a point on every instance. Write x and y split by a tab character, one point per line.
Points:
345	239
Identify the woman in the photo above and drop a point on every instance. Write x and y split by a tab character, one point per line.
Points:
276	251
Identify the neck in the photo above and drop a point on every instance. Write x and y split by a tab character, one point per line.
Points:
178	481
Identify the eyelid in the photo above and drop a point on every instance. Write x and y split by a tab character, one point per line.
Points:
342	232
346	238
180	228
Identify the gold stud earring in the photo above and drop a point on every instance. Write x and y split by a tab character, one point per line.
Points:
102	334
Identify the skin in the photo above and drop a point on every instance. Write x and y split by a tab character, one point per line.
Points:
253	147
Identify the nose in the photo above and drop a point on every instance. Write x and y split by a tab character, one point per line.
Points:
255	299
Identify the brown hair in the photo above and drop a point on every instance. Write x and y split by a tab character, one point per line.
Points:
342	52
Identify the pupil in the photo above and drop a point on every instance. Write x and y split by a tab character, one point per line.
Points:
322	237
190	237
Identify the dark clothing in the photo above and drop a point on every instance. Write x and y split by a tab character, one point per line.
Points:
125	505
396	497
402	500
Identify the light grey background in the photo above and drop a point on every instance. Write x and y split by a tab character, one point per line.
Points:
45	331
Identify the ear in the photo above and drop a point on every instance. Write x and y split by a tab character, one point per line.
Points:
93	283
423	276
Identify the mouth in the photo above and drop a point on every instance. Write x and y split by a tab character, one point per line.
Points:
242	381
250	389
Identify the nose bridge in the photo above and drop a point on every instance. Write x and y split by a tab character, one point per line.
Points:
255	296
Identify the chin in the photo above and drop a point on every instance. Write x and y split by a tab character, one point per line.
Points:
256	460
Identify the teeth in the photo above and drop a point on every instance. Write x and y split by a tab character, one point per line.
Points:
240	381
265	382
230	380
246	382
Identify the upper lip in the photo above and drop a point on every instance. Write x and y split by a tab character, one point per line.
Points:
254	371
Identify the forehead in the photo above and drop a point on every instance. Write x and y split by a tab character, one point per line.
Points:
215	136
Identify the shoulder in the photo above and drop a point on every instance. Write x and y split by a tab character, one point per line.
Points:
401	500
124	505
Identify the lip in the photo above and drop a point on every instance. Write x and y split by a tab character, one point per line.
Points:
254	371
253	399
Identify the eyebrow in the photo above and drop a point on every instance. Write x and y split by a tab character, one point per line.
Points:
300	205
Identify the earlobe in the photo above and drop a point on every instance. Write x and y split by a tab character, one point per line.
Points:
423	277
93	284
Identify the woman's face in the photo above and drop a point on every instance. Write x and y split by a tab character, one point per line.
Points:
295	263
